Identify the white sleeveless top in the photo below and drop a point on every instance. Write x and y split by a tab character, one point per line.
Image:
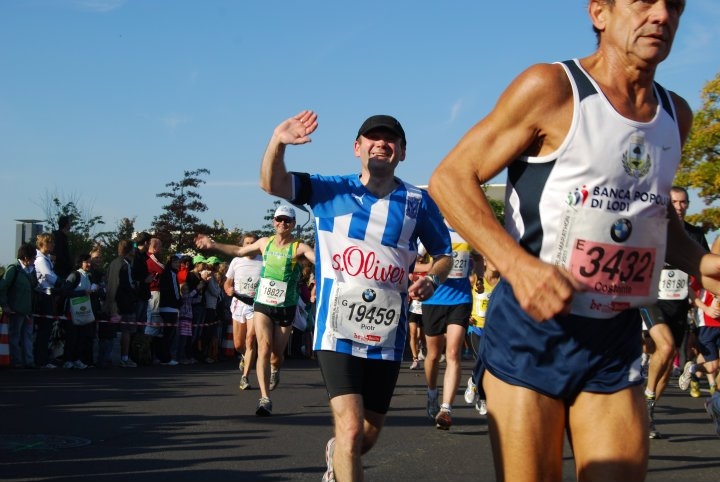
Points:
598	204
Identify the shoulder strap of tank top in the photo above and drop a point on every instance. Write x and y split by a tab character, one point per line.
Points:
584	86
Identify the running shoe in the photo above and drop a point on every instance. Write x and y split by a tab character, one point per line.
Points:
442	358
432	407
264	407
421	355
471	394
274	379
686	376
241	365
712	407
481	407
244	383
68	365
443	420
695	389
329	475
414	365
128	363
78	364
652	431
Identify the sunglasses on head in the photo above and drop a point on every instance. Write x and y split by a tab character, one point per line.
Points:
284	219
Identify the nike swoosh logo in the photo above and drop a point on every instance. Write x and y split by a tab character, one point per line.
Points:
666	148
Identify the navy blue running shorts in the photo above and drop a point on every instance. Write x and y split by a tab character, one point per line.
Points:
563	356
709	342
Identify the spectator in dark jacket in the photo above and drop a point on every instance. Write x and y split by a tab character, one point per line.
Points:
80	333
16	294
63	261
121	298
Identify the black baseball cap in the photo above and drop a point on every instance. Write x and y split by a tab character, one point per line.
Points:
385	122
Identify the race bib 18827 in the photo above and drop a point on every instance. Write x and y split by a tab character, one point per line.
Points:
271	292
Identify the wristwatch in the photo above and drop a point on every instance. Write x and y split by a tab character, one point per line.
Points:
434	280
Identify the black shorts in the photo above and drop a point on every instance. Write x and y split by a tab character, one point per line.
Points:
671	313
415	318
280	316
436	318
373	379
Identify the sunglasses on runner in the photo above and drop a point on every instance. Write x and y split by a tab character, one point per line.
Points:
284	219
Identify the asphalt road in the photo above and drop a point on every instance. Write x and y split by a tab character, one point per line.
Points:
189	423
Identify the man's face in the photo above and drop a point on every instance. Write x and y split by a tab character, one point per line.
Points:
155	246
380	151
680	203
641	29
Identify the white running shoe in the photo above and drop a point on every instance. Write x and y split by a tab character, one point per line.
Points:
274	379
481	407
329	475
471	393
686	376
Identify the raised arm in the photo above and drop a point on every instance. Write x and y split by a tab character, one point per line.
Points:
274	177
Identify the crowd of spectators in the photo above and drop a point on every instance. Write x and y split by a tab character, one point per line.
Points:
144	307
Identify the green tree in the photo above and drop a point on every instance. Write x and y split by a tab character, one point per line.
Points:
109	241
177	225
85	232
700	164
498	208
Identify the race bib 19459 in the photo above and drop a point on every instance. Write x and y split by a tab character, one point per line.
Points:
365	315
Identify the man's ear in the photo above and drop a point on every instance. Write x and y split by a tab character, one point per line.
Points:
597	9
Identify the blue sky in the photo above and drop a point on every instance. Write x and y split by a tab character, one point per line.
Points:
105	101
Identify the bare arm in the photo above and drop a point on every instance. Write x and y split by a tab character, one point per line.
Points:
205	243
229	287
274	177
531	117
682	250
423	289
307	251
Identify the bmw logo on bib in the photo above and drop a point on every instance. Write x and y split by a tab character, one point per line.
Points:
621	230
369	295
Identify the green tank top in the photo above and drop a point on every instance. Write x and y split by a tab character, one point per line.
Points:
279	264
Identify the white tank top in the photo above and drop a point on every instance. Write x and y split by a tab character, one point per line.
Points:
598	204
